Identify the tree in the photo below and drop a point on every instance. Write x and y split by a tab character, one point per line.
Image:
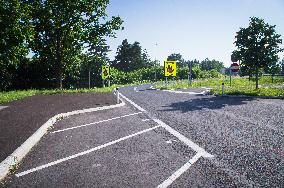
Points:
282	66
14	34
194	62
92	62
257	46
207	65
122	59
130	57
64	28
177	57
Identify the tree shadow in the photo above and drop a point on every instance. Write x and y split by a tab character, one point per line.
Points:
208	102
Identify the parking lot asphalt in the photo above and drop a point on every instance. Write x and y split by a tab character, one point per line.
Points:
245	134
120	147
162	139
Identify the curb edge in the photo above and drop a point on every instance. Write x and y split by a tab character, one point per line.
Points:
15	158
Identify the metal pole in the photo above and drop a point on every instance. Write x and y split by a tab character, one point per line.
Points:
223	89
230	77
103	83
166	81
117	96
155	75
108	82
89	79
190	73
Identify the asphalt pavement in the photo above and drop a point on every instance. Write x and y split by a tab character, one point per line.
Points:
244	134
162	139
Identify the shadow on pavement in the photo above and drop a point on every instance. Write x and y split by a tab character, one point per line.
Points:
215	102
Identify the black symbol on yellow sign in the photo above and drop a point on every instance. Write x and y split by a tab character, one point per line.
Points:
105	72
170	68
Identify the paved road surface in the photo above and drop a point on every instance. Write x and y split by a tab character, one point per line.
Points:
165	145
245	135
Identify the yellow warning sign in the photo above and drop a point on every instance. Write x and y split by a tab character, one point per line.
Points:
105	72
170	68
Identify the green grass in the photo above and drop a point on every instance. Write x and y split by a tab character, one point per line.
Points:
9	96
240	86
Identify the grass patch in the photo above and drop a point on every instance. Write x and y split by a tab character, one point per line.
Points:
240	86
9	96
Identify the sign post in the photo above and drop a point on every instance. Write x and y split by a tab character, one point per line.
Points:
170	68
190	73
106	74
235	67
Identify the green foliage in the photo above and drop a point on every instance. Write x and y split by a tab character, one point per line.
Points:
63	27
57	33
257	47
177	57
14	34
138	76
155	73
209	65
240	86
131	57
9	96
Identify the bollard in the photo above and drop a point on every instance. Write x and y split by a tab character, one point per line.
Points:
117	96
223	88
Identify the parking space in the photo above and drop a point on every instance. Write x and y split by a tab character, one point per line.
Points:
120	147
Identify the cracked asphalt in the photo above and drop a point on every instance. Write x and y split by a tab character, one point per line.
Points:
124	147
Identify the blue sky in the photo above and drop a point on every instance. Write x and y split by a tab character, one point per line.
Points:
194	28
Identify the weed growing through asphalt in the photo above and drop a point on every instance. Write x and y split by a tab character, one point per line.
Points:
14	167
50	128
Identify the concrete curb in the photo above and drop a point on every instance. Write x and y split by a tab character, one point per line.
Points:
14	159
188	92
206	92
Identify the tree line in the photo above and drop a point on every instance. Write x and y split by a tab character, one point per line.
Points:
132	64
56	43
61	38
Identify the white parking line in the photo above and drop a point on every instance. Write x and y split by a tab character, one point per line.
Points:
83	153
180	171
133	103
200	151
186	92
102	121
181	137
184	139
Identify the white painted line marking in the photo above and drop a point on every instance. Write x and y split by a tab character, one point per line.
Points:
186	92
131	102
182	138
180	171
2	107
83	153
146	119
102	121
23	150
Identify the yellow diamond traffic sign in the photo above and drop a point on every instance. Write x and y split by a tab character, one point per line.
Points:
170	68
105	72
